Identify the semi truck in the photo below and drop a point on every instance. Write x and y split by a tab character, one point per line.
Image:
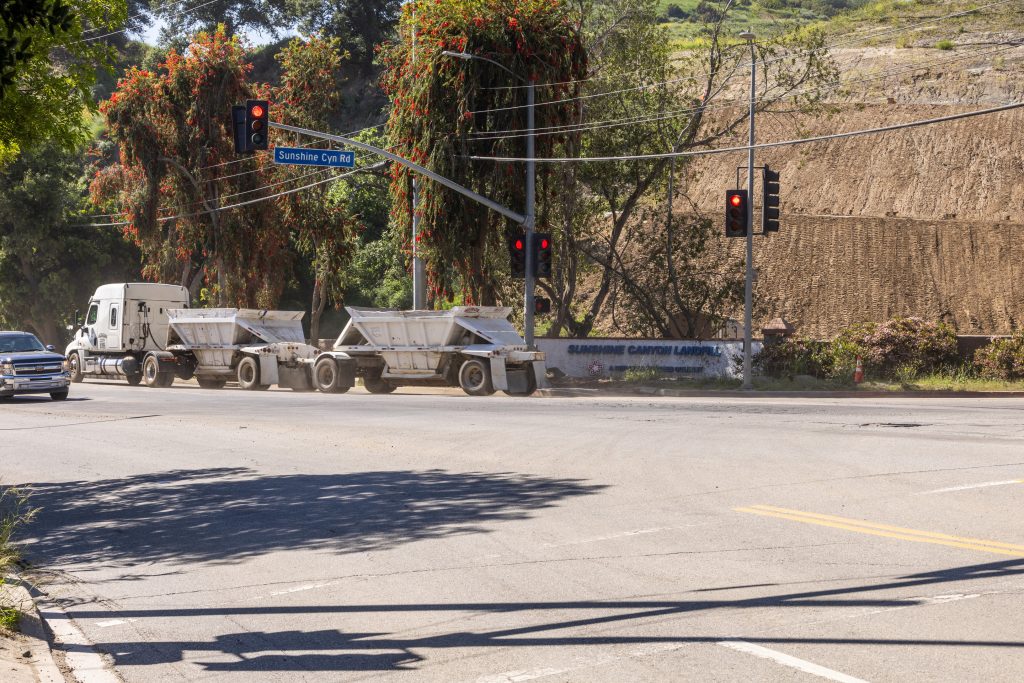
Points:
472	347
146	333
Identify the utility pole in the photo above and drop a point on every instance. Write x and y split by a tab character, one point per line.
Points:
748	289
530	212
529	298
419	271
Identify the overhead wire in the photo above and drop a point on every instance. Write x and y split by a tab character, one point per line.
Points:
725	104
744	148
164	219
765	62
125	30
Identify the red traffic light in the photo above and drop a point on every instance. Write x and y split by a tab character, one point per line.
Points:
544	244
519	245
736	200
256	112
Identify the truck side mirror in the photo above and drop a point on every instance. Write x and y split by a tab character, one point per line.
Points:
51	347
78	318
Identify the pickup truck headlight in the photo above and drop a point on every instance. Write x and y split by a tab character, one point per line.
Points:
6	368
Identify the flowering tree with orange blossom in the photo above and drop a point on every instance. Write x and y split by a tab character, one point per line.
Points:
435	103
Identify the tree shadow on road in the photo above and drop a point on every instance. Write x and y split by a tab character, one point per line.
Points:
537	624
228	514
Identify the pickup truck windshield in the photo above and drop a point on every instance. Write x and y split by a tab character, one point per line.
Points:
20	343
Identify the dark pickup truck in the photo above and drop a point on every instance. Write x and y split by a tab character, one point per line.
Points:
28	367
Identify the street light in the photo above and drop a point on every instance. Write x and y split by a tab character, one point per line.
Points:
531	178
748	288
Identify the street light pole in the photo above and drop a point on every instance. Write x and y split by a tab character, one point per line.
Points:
531	193
530	212
748	289
419	270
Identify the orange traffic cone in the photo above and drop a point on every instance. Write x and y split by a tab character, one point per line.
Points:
858	372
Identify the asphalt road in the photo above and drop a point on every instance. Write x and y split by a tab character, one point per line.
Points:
224	535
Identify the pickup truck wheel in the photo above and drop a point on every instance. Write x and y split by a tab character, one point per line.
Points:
75	367
377	385
59	395
249	374
211	382
475	377
327	377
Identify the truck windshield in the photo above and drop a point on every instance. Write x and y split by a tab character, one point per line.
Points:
19	343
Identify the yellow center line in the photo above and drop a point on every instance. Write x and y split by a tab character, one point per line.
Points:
886	530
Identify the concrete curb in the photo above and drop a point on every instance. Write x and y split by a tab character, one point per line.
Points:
620	392
31	625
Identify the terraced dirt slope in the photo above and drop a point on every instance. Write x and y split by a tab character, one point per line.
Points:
925	222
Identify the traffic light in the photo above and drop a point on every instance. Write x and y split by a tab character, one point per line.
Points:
542	250
541	304
257	124
737	217
770	201
517	254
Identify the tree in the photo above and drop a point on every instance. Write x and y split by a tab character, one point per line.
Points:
172	177
360	25
432	120
48	68
49	263
611	223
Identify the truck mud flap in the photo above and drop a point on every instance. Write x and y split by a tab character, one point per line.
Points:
294	378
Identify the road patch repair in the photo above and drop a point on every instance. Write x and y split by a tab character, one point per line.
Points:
886	530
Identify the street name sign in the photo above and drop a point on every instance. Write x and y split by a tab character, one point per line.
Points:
301	156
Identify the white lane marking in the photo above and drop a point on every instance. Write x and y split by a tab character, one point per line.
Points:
516	676
113	622
87	665
972	486
789	660
299	589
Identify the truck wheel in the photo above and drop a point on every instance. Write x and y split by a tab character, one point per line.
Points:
249	374
133	380
75	367
151	374
326	376
377	385
59	395
211	382
475	377
531	384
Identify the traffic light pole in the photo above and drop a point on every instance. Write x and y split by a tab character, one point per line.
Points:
748	289
531	198
419	270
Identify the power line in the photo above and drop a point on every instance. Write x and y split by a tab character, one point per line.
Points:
164	219
765	62
840	43
764	145
654	117
125	30
136	16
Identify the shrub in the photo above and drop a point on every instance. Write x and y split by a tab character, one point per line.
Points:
641	374
944	45
1002	358
901	347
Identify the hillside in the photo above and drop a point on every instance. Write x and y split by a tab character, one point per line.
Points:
919	222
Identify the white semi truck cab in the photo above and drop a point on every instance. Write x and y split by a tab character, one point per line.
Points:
123	323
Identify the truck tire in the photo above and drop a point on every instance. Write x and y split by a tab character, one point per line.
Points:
211	382
75	367
134	380
249	374
475	377
327	376
152	375
59	395
378	385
